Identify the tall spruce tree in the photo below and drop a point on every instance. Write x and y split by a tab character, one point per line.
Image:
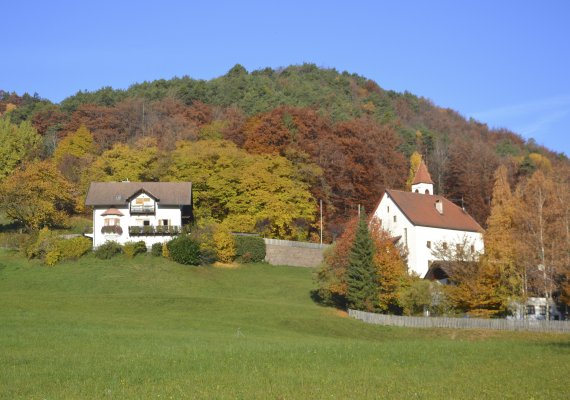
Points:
361	291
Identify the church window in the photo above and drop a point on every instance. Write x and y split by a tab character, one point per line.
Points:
395	219
428	244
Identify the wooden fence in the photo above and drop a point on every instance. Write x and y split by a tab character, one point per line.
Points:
462	323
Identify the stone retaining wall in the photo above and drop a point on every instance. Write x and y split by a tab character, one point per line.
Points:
297	254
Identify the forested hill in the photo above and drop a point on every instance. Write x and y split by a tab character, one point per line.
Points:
345	138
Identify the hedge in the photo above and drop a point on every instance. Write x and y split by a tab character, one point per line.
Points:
184	250
249	249
108	250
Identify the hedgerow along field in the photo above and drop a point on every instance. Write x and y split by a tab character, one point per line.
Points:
149	328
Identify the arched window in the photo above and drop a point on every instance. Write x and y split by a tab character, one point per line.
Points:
417	191
427	191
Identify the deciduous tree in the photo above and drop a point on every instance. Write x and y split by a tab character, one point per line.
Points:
18	142
37	196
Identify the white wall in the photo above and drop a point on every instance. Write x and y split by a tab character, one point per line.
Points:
170	213
415	238
422	187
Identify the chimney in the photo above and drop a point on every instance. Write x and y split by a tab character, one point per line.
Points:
439	206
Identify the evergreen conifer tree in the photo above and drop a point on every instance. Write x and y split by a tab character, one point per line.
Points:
361	292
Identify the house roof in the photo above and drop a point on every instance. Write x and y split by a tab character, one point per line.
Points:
420	210
111	193
113	211
422	175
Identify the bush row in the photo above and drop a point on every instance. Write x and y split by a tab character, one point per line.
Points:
204	245
51	248
213	243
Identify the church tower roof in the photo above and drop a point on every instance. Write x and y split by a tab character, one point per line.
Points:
422	175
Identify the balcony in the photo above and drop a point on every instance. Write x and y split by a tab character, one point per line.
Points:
142	209
112	230
161	230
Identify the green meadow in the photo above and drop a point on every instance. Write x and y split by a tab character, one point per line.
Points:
148	328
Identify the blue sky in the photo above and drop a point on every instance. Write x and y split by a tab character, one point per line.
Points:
505	63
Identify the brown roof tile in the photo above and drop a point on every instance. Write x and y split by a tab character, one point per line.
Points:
113	211
420	210
114	193
422	175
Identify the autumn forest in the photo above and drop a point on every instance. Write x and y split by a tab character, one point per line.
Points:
263	147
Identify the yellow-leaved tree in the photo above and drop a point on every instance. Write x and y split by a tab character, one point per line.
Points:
245	192
415	161
37	196
17	143
501	277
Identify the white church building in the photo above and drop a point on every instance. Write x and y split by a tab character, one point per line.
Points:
423	221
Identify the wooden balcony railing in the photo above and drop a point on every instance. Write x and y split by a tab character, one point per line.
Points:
161	230
142	209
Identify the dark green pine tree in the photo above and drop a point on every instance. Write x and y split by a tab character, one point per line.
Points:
361	291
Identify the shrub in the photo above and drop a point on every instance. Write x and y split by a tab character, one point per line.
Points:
225	244
52	257
131	249
71	249
51	248
204	236
165	252
40	244
184	250
156	249
249	248
108	250
13	240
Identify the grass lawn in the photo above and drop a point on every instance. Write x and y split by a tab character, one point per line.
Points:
149	328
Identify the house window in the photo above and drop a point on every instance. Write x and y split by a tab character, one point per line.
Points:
112	221
165	222
542	310
427	191
530	310
417	191
387	208
146	222
395	218
472	248
428	244
444	245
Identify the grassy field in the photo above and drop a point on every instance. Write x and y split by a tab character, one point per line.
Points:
149	328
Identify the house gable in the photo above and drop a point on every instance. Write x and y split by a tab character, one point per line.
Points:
132	211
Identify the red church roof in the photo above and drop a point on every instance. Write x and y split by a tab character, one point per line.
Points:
420	209
422	175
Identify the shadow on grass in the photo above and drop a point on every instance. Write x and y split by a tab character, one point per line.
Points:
12	227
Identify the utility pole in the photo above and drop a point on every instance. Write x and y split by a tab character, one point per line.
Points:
321	202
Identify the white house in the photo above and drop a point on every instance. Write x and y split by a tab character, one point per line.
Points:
134	211
423	220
